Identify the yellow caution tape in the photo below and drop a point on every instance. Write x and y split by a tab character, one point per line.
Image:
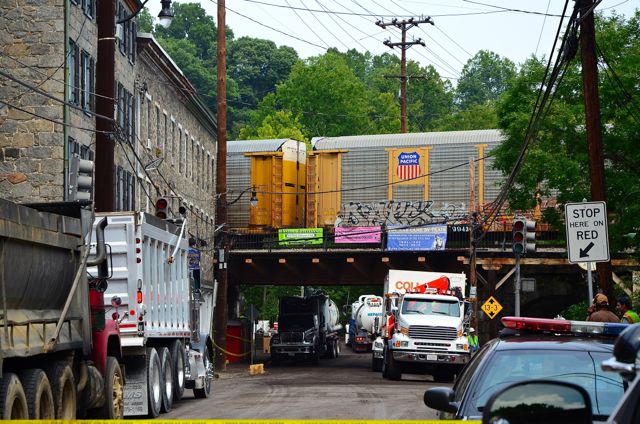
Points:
226	352
244	421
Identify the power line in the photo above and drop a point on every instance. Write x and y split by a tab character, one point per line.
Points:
508	9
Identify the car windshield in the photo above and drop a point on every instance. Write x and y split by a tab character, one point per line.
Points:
431	307
578	367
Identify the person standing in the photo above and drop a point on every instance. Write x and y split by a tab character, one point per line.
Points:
472	339
628	315
599	310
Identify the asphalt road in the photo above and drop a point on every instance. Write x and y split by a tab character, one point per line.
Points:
341	388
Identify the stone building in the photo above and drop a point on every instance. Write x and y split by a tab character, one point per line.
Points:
58	90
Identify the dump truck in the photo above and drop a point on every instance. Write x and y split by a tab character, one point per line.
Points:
60	357
365	322
307	328
166	315
426	324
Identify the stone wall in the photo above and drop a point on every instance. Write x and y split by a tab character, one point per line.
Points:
32	140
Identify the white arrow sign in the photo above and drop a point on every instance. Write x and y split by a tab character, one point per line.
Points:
587	232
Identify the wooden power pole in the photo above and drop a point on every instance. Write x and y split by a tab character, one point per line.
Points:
404	26
220	335
593	124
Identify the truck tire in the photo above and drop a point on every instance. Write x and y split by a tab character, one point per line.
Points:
177	360
331	349
390	367
154	382
444	376
337	348
204	392
275	359
38	393
13	402
166	369
113	408
63	387
315	357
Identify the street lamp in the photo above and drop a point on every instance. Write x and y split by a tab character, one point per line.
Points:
166	14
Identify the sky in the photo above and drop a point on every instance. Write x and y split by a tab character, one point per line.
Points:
515	29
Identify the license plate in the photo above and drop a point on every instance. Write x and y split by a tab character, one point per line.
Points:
290	353
432	357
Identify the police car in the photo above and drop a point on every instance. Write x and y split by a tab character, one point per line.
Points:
535	348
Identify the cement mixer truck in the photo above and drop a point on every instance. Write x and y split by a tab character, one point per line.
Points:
365	322
307	328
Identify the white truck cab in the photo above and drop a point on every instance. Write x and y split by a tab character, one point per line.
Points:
425	324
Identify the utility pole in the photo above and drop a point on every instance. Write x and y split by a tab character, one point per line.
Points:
404	26
220	336
593	124
105	196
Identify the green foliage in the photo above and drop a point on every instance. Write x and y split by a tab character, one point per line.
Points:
576	312
280	124
484	78
476	117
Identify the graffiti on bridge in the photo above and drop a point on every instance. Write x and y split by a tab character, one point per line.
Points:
399	213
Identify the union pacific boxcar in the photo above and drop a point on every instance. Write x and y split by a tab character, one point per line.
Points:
427	170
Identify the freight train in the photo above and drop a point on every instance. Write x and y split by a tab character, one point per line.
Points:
361	180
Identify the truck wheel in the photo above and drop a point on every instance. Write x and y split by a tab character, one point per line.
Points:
63	387
13	402
38	393
113	408
178	360
376	364
167	379
315	357
390	367
154	382
206	390
331	349
275	359
337	347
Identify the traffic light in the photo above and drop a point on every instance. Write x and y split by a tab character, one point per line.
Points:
162	207
80	178
524	236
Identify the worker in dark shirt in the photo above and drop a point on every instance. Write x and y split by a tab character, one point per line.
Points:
599	310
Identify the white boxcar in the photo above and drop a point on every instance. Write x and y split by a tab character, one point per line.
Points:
164	316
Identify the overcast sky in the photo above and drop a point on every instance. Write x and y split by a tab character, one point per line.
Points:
512	28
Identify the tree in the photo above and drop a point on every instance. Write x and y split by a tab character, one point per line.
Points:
279	124
484	78
327	95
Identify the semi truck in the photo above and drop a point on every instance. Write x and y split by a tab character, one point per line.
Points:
307	328
426	324
165	322
365	322
59	357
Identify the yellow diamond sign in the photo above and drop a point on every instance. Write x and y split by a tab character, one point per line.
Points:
491	307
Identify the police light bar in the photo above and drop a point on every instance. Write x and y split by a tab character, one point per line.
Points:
564	326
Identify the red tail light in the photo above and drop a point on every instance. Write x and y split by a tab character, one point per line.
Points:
139	296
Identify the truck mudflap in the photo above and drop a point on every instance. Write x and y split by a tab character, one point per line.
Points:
431	357
135	388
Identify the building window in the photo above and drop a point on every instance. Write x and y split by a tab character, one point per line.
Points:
173	147
89	8
179	152
74	73
127	43
87	85
126	113
125	189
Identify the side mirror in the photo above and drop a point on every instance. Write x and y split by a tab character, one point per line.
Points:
440	399
627	345
539	401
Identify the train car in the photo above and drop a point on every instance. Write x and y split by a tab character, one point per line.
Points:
276	171
400	178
